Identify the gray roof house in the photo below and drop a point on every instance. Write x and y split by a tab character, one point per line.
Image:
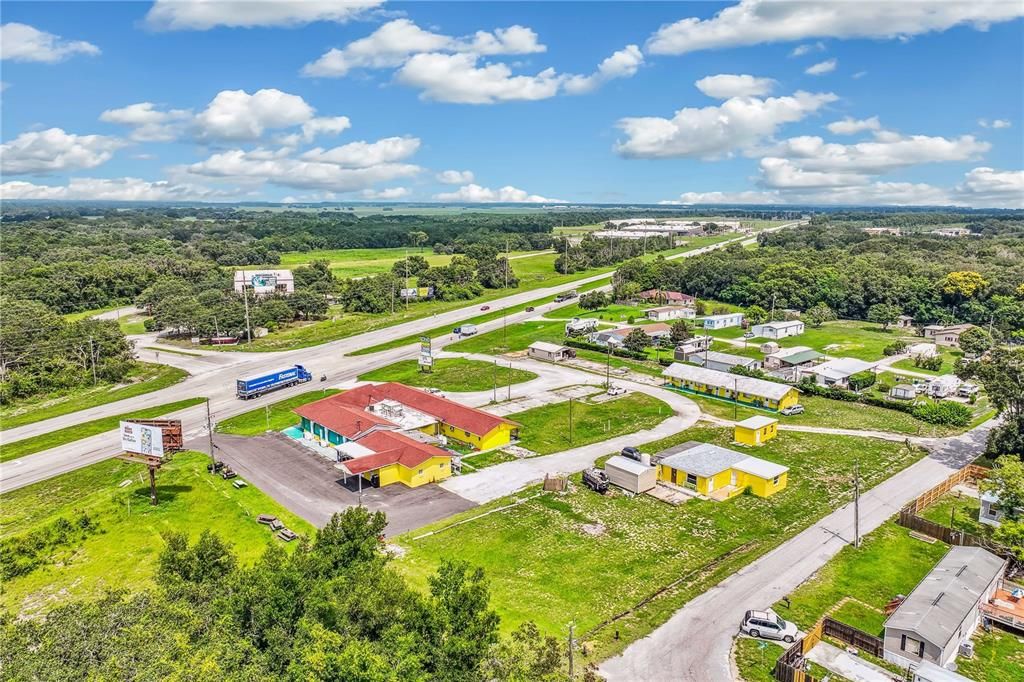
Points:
721	362
944	608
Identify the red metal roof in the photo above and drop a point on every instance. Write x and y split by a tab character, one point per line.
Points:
460	416
392	447
341	418
667	295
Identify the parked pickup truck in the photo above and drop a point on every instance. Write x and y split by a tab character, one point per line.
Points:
256	385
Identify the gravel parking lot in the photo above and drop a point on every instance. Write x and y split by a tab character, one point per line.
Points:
311	487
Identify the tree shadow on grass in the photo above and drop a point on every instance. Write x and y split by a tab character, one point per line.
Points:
164	493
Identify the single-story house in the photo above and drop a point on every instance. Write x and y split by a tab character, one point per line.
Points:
944	386
552	352
991	514
769	347
902	392
748	390
837	372
797	356
670	312
264	282
666	297
719	473
755	430
778	330
944	609
617	337
391	406
952	232
723	321
904	322
631	475
946	335
693	345
721	362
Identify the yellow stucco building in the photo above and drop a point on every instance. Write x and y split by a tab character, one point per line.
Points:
756	430
748	390
719	473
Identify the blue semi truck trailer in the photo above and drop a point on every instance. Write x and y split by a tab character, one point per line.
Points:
256	385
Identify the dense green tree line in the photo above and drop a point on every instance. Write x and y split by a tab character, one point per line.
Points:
856	275
332	610
596	252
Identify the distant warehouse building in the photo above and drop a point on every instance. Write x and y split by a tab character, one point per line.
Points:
748	390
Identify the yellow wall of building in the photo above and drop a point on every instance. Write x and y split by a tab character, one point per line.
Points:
792	396
759	486
433	470
498	436
763	487
755	436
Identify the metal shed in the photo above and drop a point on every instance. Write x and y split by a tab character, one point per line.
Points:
631	475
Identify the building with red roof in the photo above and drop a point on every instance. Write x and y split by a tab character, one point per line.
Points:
380	431
665	297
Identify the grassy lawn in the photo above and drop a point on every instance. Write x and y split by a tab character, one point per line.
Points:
848	339
133	324
175	351
949	360
124	551
613	313
751	350
451	374
546	429
998	657
516	337
544	566
52	439
487	459
83	314
756	658
959	512
889	562
362	262
280	415
147	377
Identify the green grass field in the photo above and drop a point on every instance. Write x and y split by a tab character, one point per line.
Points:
362	262
998	657
546	429
133	324
613	313
755	660
545	566
848	339
274	417
451	374
52	439
959	512
147	377
124	551
949	360
515	337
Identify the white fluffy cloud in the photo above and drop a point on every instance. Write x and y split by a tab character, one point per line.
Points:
201	15
237	115
365	154
852	126
110	189
148	123
754	22
807	48
712	132
458	78
24	43
821	68
394	42
455	177
987	187
388	194
621	64
743	197
475	194
53	150
726	85
887	152
998	123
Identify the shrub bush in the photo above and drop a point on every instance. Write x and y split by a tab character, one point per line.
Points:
618	352
945	412
895	348
861	380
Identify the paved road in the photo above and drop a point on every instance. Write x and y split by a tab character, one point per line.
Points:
218	383
695	643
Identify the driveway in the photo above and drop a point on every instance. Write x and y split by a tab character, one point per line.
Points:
309	486
708	623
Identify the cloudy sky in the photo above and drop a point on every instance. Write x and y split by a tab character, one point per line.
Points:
815	101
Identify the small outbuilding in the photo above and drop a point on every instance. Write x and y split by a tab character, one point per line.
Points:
552	352
631	475
756	430
902	392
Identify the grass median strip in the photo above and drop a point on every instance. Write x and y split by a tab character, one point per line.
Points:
275	417
45	441
451	374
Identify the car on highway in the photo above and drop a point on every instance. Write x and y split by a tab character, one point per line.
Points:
768	625
792	410
485	307
530	308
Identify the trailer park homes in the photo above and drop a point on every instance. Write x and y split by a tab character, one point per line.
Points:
747	390
386	433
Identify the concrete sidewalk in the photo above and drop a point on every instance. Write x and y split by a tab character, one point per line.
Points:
847	665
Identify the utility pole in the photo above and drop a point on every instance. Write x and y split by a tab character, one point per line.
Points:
735	398
856	504
209	431
572	669
216	327
248	326
608	368
92	359
510	381
570	421
494	376
504	311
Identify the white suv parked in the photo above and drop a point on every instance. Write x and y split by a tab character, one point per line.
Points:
768	625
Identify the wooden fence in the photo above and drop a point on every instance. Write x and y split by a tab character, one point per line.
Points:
854	637
790	666
971	472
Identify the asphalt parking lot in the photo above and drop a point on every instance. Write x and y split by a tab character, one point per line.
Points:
312	488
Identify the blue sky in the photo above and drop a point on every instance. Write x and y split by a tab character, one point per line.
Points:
538	102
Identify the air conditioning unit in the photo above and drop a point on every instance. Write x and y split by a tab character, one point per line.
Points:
967	649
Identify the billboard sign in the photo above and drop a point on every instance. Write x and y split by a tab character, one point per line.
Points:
141	439
426	352
263	281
